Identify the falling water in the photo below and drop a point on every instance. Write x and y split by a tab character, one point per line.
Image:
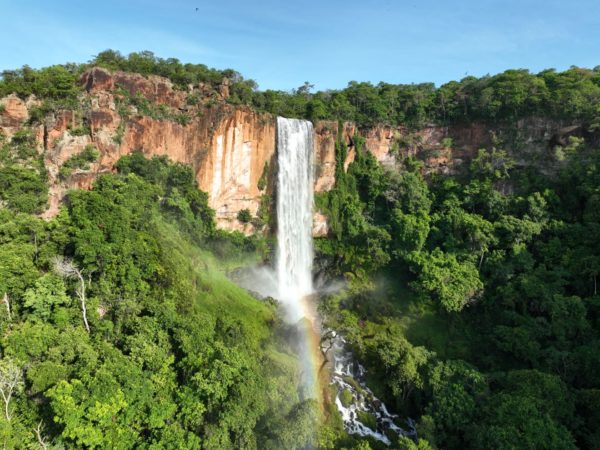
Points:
294	232
294	212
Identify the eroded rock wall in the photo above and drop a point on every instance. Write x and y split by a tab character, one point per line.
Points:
230	147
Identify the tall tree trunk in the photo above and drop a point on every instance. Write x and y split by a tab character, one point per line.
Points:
6	301
81	295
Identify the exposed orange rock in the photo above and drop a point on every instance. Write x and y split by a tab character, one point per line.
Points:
13	114
227	149
154	88
320	225
226	146
378	141
325	138
57	125
326	135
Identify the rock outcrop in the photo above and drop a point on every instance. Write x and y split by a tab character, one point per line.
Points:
13	114
232	148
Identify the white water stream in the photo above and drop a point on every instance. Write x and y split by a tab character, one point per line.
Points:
348	377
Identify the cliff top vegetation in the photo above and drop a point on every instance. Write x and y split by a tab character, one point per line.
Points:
572	95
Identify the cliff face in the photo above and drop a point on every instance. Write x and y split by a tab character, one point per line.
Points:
230	148
13	115
227	147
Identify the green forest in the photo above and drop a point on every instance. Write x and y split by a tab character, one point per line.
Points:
472	299
475	310
514	94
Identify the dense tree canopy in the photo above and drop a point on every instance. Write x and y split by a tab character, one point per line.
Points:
175	355
476	308
514	94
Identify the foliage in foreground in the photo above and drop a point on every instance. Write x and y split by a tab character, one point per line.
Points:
176	355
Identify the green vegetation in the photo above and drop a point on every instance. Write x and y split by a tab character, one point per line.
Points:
80	161
262	182
22	174
80	131
367	419
473	309
346	397
127	104
57	83
176	356
244	215
182	75
263	215
472	299
571	95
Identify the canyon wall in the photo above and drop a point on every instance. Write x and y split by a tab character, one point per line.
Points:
231	148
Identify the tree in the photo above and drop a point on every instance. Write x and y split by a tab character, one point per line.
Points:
514	421
11	383
48	293
495	164
90	418
67	269
409	231
401	365
453	283
244	216
456	389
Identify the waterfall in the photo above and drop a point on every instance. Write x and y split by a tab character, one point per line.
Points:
293	274
294	213
294	258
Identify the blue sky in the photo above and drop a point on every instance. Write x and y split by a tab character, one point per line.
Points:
283	43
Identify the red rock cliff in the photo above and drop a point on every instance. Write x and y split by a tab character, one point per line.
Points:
227	146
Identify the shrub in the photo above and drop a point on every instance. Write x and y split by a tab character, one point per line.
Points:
23	189
182	119
346	398
244	215
23	136
80	161
447	142
262	182
80	131
192	99
367	419
263	215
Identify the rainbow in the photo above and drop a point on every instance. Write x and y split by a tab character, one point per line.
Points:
311	358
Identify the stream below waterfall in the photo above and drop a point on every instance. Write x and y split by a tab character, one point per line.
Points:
363	413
